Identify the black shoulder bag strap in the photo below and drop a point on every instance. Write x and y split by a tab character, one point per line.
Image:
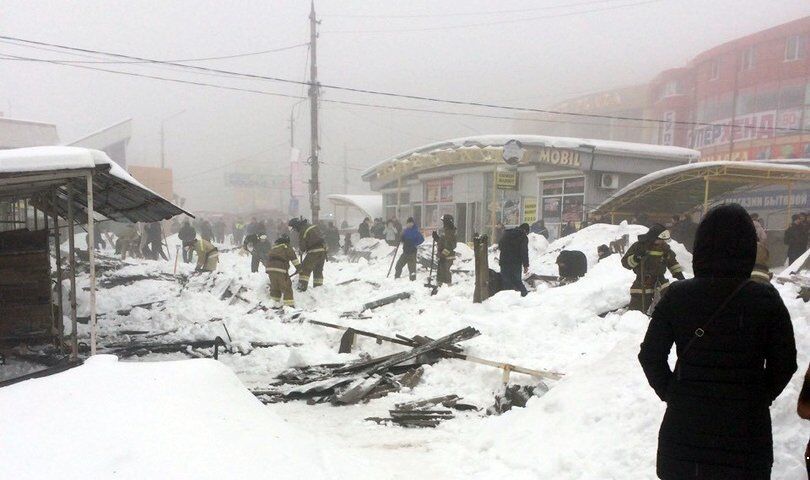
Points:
701	331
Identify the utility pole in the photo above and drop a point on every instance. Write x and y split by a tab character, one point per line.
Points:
292	147
345	169
314	185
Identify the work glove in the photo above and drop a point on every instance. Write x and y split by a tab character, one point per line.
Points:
436	236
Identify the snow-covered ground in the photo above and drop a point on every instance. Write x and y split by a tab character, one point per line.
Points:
599	422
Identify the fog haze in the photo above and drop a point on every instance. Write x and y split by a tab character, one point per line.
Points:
532	58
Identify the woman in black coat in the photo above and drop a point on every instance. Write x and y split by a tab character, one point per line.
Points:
730	369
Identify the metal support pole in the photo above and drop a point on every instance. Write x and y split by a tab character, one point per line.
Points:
59	291
74	329
493	215
91	250
789	205
706	196
399	193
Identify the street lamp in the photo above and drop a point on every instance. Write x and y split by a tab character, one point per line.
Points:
163	137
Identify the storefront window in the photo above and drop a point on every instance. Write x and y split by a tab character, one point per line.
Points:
438	200
563	201
574	185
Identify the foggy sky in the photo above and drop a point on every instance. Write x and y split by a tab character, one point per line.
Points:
532	63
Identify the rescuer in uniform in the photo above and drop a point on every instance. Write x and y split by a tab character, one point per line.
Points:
277	266
411	239
207	254
258	245
649	258
446	246
313	250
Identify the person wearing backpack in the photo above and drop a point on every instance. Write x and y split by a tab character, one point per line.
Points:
736	353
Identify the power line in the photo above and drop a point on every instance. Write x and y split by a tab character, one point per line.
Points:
406	96
496	22
466	14
199	59
6	56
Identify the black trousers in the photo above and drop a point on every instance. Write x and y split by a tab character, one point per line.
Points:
512	279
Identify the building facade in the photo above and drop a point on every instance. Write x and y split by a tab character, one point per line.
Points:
760	84
554	179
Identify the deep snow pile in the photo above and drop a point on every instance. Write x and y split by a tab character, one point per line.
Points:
599	421
186	419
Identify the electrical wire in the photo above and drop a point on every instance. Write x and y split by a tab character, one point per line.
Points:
200	59
405	96
495	22
465	14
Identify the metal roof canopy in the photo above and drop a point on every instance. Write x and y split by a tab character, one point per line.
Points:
115	196
680	189
370	205
73	183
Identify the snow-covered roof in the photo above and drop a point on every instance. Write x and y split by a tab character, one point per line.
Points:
104	137
370	205
117	194
16	133
678	189
610	147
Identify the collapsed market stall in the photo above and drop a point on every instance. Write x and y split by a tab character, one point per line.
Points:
39	188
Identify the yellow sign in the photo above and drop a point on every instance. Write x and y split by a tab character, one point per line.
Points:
506	180
529	209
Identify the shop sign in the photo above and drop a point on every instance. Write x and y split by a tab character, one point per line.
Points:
506	180
754	126
529	209
556	156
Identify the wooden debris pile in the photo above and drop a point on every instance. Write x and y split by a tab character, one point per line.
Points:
359	381
424	413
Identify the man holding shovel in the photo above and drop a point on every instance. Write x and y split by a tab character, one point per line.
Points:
277	267
411	239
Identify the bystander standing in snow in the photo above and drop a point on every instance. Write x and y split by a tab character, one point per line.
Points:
187	234
539	227
411	239
499	229
364	230
736	353
514	247
796	238
390	233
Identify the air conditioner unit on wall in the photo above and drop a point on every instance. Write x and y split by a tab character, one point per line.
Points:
609	181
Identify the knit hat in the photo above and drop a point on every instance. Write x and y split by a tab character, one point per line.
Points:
725	243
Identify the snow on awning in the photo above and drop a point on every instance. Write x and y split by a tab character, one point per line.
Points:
487	149
682	188
46	174
370	205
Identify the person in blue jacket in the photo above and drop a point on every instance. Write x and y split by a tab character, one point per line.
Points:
411	239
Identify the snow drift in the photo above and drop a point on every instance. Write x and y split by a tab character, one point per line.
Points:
183	419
